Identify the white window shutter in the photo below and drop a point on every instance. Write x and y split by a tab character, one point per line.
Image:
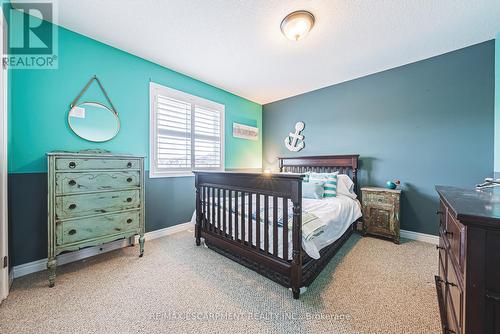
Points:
173	134
187	132
207	138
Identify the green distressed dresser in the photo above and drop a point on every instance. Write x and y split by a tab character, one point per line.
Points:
381	212
94	197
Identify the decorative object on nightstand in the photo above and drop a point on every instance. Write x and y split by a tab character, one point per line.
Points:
94	197
392	184
381	208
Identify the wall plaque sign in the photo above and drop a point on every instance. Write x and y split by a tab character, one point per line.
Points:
245	131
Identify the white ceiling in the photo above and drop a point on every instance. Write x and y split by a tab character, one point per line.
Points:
237	44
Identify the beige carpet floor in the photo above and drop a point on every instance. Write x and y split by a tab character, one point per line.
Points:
371	286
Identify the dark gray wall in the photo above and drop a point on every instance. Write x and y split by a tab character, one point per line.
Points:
425	123
169	201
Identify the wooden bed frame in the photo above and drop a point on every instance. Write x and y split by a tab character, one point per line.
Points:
216	190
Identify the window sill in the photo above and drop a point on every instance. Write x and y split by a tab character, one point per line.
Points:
167	175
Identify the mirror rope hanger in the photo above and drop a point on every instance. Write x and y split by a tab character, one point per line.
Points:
73	104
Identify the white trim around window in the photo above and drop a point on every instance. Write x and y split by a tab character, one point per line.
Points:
186	133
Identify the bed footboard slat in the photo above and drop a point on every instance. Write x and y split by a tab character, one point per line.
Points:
209	205
257	222
219	225
230	213
275	225
224	214
243	214
236	220
266	223
213	210
250	219
285	228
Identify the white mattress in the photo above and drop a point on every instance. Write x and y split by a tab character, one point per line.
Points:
336	214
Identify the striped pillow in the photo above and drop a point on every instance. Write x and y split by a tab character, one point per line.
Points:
331	186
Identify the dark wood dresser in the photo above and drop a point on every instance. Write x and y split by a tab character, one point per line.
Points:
469	260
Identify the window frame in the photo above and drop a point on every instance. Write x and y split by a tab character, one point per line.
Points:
154	89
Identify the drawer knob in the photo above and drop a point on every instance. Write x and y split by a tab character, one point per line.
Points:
129	179
447	330
72	206
129	165
448	233
71	232
439	212
129	199
129	220
72	182
439	247
72	164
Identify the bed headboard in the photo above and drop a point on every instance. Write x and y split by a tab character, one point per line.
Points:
344	164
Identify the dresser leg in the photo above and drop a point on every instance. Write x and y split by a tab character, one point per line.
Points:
51	266
141	244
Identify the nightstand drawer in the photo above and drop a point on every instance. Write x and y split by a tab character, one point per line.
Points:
372	198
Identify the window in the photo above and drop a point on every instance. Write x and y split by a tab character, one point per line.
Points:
187	133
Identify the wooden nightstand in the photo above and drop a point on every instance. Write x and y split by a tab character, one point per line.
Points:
381	212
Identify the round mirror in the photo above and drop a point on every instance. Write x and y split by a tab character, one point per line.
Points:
94	121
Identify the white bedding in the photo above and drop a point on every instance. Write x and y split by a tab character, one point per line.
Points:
335	215
338	213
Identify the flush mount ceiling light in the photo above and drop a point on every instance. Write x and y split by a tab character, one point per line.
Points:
297	25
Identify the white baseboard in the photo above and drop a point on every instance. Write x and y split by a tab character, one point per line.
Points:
39	265
431	239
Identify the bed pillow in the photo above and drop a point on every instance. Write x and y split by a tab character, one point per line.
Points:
313	189
345	186
330	180
331	186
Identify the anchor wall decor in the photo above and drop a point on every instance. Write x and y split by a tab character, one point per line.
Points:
294	142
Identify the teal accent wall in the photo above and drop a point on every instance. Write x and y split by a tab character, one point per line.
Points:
38	107
41	98
497	106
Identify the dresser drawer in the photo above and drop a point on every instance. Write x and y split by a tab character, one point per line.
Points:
442	258
454	294
450	318
77	230
75	182
454	234
71	206
95	163
442	213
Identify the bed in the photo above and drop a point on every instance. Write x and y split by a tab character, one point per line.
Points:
256	219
